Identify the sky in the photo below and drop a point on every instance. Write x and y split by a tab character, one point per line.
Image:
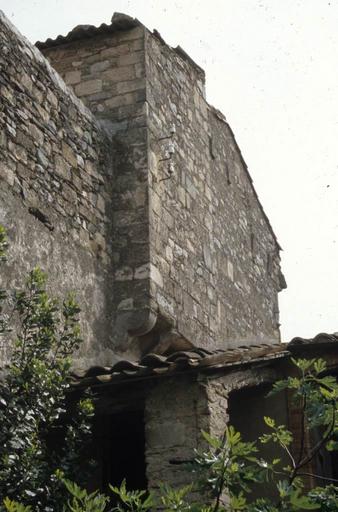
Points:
271	68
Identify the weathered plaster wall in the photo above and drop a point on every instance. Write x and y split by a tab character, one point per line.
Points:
209	239
55	189
176	411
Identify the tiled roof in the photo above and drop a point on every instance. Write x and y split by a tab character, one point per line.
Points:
118	22
199	360
192	360
321	339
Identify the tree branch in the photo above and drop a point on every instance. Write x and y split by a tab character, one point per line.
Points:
319	476
301	451
320	443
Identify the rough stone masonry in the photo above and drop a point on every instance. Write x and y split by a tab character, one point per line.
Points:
125	185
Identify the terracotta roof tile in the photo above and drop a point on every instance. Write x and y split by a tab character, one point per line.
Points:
320	339
118	22
198	359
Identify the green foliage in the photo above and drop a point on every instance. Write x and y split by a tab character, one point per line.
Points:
14	506
326	497
174	500
43	334
132	501
3	293
82	501
3	243
232	463
279	434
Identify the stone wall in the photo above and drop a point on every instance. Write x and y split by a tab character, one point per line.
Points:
176	411
55	189
192	252
179	408
210	238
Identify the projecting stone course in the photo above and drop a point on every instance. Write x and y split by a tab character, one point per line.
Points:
115	64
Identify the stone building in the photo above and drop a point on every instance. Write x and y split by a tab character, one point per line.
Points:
123	183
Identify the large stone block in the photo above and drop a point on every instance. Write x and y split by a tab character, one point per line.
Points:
119	74
88	87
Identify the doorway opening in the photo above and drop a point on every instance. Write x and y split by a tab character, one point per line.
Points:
247	408
119	450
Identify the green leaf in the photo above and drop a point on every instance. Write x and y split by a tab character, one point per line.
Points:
269	421
302	502
212	441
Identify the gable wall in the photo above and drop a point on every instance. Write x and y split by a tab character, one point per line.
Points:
211	242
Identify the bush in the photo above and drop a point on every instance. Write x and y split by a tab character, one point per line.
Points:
43	334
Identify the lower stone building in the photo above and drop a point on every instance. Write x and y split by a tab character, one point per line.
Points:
150	413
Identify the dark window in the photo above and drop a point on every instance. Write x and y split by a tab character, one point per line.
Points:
119	449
